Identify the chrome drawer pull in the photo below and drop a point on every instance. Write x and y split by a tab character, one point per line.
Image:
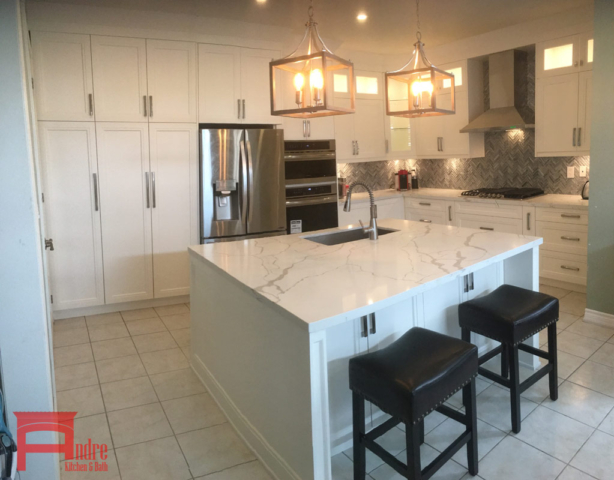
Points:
487	228
424	204
575	269
425	221
568	215
573	239
450	213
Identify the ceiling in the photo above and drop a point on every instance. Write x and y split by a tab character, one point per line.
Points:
391	24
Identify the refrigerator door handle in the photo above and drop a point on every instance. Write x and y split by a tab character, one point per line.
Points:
250	179
244	180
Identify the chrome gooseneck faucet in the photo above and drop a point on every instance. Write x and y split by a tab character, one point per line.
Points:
372	228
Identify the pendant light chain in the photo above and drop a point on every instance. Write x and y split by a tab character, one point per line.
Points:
418	33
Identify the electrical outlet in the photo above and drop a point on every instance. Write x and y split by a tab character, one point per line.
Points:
583	171
571	172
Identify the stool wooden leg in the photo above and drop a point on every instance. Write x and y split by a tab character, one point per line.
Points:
421	424
412	435
553	359
360	453
505	367
469	401
466	334
514	388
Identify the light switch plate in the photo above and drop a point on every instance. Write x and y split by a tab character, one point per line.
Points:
583	171
571	172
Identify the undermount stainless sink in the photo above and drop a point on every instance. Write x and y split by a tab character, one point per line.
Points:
345	236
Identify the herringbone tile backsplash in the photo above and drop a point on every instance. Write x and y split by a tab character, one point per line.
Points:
509	162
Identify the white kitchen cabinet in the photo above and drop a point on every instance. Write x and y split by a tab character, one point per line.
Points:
563	267
564	55
171	81
120	79
256	86
386	208
219	79
426	216
72	210
361	136
126	202
563	114
427	210
321	128
62	66
529	227
400	142
489	223
174	169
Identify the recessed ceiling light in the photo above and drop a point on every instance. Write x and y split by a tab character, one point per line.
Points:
361	17
260	1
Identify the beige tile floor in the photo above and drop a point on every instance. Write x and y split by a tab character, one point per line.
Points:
128	377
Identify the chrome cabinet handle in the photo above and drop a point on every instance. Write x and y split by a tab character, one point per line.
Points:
471	284
572	239
145	106
238	108
243	108
357	148
353	147
95	175
364	331
574	137
91	100
567	215
487	228
147	188
466	283
304	128
441	143
153	189
373	328
580	137
450	213
438	145
425	204
575	269
309	128
528	221
151	105
423	220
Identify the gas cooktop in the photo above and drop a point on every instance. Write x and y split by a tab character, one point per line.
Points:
510	193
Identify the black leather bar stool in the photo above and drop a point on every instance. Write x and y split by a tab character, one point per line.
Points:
408	380
510	315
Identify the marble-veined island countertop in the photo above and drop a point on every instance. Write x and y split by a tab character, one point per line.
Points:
323	285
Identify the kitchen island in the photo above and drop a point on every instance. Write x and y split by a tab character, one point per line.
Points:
276	320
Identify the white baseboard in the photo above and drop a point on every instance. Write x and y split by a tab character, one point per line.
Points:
117	307
269	457
599	318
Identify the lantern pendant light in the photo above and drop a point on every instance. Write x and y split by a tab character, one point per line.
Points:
416	89
302	83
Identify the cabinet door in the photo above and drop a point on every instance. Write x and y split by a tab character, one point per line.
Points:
344	133
369	128
399	137
586	51
256	86
68	152
392	208
123	158
490	224
294	128
453	142
556	115
426	216
528	227
428	132
343	342
585	104
174	169
322	128
219	84
557	57
63	76
171	81
120	79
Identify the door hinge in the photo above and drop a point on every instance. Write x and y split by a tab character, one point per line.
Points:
51	298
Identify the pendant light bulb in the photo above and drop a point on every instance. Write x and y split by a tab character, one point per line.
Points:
316	80
299	81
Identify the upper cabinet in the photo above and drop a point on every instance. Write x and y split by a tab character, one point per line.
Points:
564	55
120	79
440	137
234	85
63	76
171	81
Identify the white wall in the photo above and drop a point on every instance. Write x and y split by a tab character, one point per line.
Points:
24	337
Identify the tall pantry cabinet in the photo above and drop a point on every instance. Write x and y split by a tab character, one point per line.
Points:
120	159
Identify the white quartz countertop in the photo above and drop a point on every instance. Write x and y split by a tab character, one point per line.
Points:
322	285
550	200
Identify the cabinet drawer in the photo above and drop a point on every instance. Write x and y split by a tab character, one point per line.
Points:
574	217
426	216
564	238
490	223
564	267
425	204
484	207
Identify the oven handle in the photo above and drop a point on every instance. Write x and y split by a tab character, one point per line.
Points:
311	201
298	157
311	182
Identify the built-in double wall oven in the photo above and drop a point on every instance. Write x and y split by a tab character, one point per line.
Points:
311	185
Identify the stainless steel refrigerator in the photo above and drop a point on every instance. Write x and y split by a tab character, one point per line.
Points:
242	188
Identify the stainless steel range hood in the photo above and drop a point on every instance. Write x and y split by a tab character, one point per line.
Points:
507	74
